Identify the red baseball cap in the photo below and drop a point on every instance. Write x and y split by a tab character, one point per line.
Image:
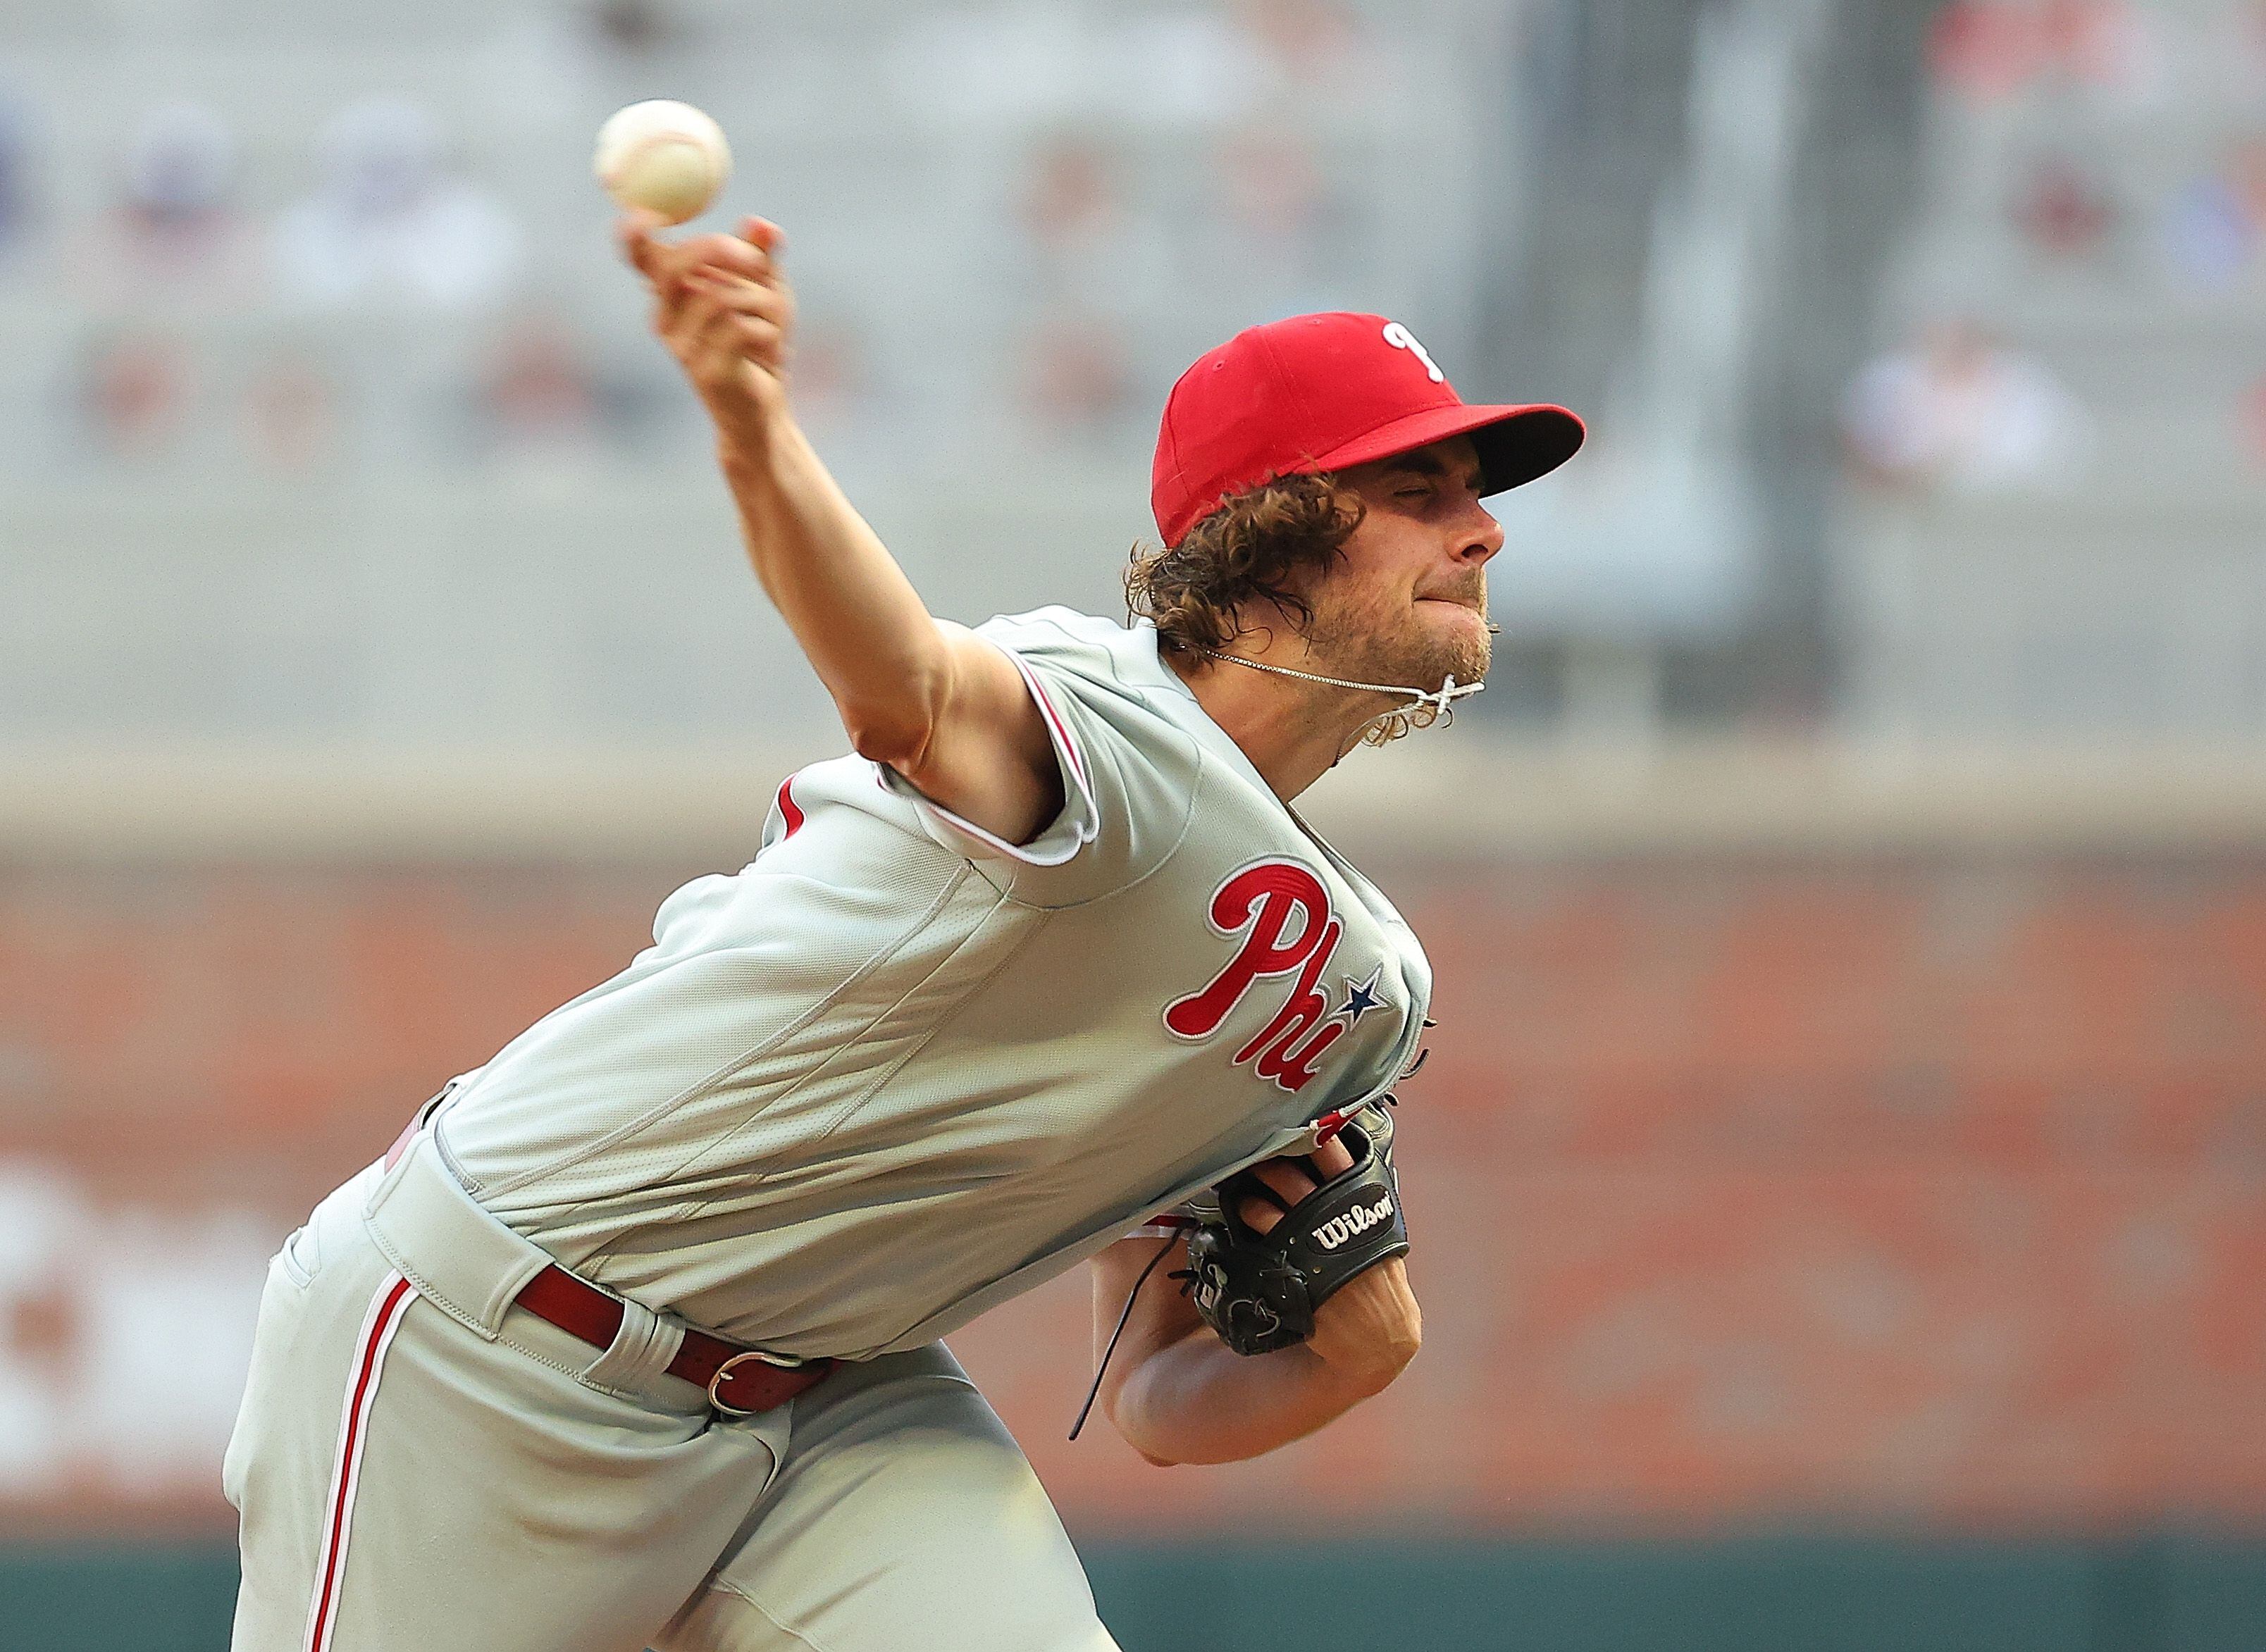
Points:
1323	392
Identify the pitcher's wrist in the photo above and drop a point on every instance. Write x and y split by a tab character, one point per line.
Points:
748	451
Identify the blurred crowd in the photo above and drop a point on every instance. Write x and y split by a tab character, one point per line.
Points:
2125	145
209	328
394	293
1959	411
2097	79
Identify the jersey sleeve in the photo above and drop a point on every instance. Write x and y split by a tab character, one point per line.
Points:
1128	770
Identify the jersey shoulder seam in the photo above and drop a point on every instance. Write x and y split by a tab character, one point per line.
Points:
1188	824
1117	677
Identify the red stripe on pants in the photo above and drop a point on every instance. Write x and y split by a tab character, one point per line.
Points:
377	1330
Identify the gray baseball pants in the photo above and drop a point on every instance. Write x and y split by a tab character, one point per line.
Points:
421	1467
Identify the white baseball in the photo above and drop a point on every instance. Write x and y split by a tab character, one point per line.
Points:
664	155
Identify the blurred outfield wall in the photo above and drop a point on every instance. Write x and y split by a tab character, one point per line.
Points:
1875	1160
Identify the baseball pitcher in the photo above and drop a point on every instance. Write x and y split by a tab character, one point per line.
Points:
632	1338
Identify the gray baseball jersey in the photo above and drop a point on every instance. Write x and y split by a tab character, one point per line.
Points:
895	1070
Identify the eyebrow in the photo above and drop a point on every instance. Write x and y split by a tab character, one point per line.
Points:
1425	464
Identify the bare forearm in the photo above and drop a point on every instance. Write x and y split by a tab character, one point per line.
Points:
855	614
1181	1395
1197	1401
944	708
727	313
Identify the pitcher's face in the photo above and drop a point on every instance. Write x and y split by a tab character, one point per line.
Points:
1406	602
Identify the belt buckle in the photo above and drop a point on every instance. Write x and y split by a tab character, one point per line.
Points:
784	1361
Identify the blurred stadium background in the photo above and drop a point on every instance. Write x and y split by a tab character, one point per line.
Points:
1841	1187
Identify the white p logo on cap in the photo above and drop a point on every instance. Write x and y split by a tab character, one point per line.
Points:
1400	339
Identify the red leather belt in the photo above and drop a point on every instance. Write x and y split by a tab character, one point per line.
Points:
739	1381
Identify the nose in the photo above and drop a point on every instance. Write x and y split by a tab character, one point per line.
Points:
1480	538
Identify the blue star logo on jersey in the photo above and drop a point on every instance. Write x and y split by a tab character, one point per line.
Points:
1361	998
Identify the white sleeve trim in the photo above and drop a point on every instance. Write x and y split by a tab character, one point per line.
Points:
1069	832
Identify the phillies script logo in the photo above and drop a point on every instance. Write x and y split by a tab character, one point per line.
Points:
1282	913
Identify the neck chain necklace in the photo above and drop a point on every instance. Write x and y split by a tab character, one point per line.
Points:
1442	700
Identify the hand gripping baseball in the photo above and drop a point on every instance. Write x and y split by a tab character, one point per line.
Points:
1259	1288
727	314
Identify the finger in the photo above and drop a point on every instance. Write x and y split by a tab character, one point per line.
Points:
1333	1157
763	233
633	234
725	253
696	314
728	341
771	300
758	340
672	300
713	320
1290	1182
671	271
1259	1216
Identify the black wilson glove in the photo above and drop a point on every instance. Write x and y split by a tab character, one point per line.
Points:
1259	1290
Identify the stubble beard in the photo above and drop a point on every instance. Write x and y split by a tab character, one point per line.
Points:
1401	647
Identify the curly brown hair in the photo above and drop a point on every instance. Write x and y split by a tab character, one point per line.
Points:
1254	547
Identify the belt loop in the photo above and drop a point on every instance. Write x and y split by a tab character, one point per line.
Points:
640	1353
461	1259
